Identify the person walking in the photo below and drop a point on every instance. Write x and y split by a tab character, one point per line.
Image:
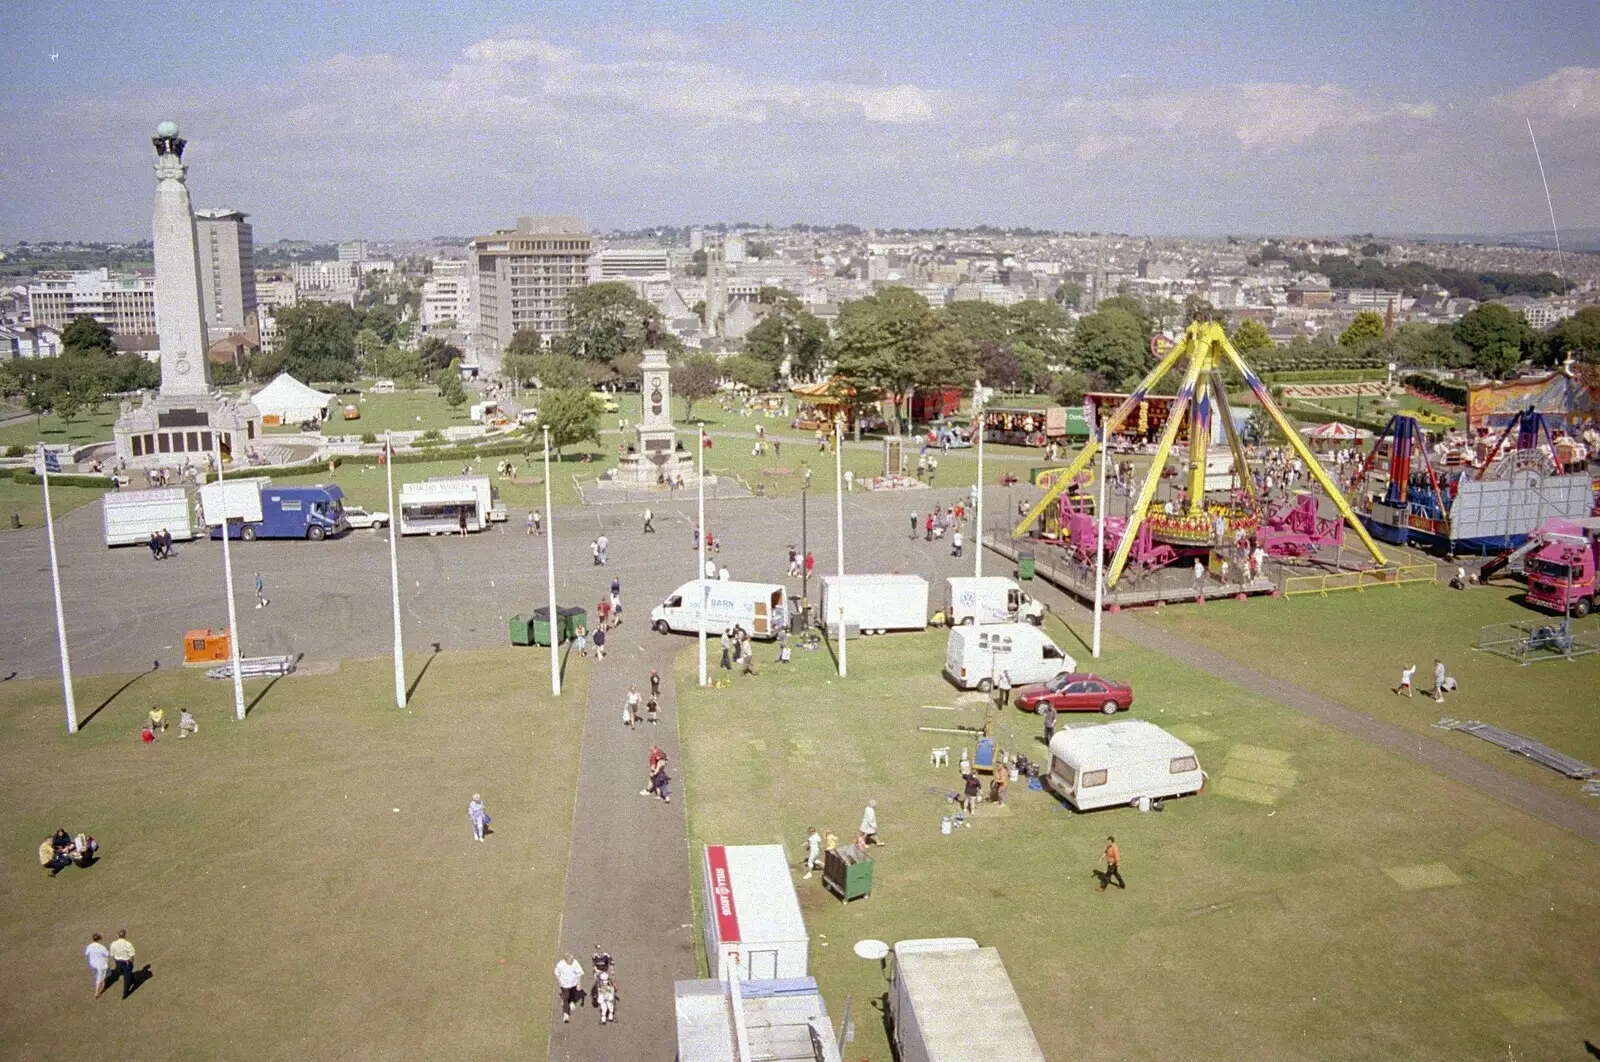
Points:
603	544
580	637
727	646
652	709
569	975
530	521
913	523
594	551
869	826
1199	577
477	816
261	593
928	525
630	709
811	564
1113	865
599	644
813	852
1002	686
616	603
955	544
971	790
1438	680
122	953
1047	712
649	521
100	963
538	527
655	683
849	482
997	788
749	665
1406	675
602	610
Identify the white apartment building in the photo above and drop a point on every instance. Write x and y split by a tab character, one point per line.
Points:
1541	313
19	341
353	251
227	270
525	274
325	276
274	290
447	294
629	263
124	304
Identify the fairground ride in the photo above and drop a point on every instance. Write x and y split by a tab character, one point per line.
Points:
1202	402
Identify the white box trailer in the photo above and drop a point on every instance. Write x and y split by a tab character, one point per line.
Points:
1121	763
750	914
875	603
435	506
232	499
757	607
132	516
975	655
952	1001
492	509
988	599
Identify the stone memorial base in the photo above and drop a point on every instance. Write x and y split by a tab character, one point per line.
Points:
170	430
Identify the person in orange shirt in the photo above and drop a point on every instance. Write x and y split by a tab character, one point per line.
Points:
1113	860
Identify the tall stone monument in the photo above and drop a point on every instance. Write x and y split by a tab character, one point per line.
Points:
654	455
181	423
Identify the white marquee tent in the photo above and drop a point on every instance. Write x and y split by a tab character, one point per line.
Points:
288	401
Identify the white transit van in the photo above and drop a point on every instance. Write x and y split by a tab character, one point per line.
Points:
1121	763
975	655
988	599
875	603
757	607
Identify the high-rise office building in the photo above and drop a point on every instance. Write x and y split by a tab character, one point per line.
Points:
125	304
525	274
227	269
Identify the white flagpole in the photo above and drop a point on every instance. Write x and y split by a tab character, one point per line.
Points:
838	510
705	587
550	572
55	583
394	577
227	574
977	529
1100	548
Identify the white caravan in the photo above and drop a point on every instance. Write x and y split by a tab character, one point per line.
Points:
757	607
952	1001
1121	763
876	603
975	655
132	516
988	599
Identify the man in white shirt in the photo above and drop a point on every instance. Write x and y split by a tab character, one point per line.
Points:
122	954
869	825
569	975
99	963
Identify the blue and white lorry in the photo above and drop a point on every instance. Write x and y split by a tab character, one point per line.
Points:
254	508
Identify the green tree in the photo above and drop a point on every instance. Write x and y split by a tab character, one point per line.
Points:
1110	342
572	417
86	336
979	322
751	372
1578	335
1492	326
559	372
1251	335
1432	345
1197	308
317	341
436	354
695	380
886	340
1365	330
698	264
450	388
605	321
1070	386
1134	308
789	332
1497	363
999	366
1069	293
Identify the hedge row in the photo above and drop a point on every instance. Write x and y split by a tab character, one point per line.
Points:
1454	393
30	478
1324	375
1318	416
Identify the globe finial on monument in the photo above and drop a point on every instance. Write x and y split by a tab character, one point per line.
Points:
167	141
167	128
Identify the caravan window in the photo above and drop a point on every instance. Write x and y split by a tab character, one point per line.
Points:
1183	764
1092	778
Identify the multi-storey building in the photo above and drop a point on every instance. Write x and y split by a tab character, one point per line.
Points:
628	263
124	304
447	294
353	251
227	270
525	274
326	276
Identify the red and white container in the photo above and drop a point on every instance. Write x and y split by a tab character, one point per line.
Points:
750	914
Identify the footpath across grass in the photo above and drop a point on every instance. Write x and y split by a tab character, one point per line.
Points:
303	884
1320	900
1352	647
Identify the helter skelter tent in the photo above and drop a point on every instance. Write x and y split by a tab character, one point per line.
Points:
1202	403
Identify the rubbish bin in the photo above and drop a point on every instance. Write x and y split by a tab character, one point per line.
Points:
1025	564
522	630
847	873
567	622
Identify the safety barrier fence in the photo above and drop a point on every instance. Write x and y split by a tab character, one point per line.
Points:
1323	585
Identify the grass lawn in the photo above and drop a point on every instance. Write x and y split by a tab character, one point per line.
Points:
86	427
1352	646
1371	407
1321	899
304	884
403	411
27	501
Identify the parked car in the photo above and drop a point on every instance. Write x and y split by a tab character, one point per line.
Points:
360	519
1077	692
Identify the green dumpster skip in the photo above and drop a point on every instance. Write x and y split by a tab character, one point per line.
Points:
1025	564
521	630
847	873
568	620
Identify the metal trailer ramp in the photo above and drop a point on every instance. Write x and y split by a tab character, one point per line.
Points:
1543	755
257	667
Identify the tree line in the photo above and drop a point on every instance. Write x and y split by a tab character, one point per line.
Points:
89	370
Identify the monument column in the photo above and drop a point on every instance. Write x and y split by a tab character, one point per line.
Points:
656	438
180	317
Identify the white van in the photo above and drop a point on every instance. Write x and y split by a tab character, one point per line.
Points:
988	599
1121	763
974	655
757	607
876	603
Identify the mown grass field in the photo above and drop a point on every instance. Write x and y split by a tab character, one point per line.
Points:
303	884
1321	900
26	501
1352	646
86	427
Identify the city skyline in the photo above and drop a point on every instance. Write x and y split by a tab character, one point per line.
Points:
1260	119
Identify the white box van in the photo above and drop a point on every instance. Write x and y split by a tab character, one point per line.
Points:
751	914
876	603
975	655
131	516
952	1001
1120	763
757	607
988	599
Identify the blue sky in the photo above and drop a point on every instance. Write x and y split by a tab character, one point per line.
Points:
340	119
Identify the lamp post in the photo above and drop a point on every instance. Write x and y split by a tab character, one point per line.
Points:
977	547
227	575
838	496
805	572
55	584
1100	550
705	585
394	575
550	571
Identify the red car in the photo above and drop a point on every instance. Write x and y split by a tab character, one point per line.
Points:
1077	692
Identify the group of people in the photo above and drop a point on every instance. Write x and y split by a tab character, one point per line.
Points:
155	725
652	706
61	850
800	565
118	957
161	544
940	521
1443	681
657	779
603	989
739	653
598	549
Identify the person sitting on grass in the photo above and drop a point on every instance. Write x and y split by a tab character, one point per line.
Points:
158	718
187	725
52	858
85	850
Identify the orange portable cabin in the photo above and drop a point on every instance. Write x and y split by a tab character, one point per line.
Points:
205	647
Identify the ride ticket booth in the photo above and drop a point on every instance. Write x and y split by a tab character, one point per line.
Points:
751	914
205	647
